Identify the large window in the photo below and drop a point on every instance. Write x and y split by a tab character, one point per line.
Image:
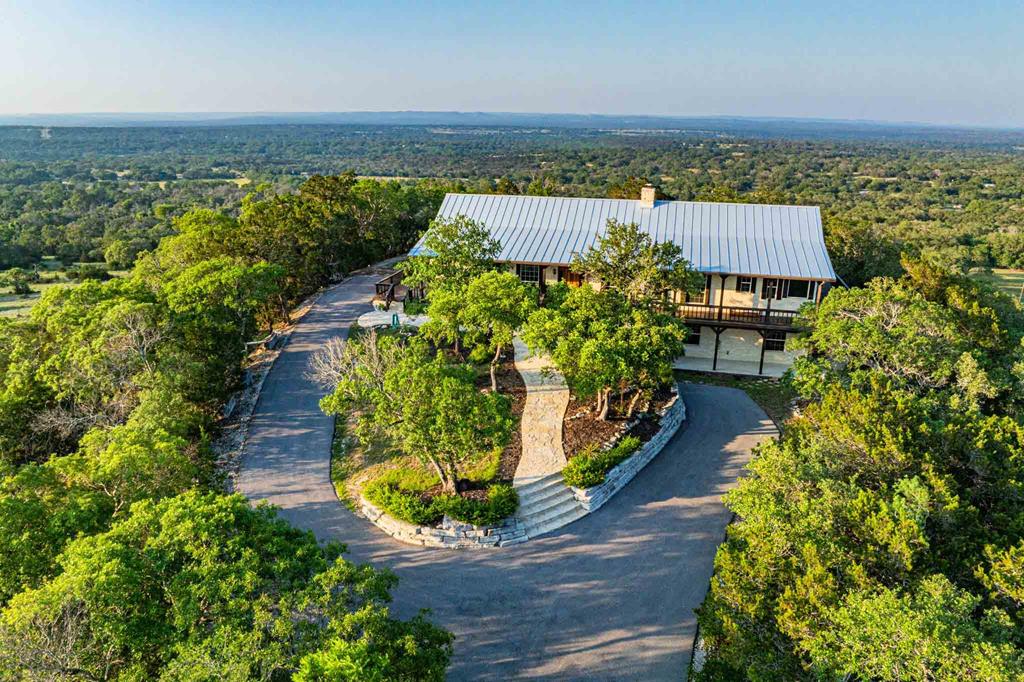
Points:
528	273
775	341
789	288
746	285
692	335
702	295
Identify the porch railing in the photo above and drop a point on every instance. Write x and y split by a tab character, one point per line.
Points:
758	317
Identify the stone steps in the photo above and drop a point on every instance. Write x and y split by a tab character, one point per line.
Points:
554	522
546	505
538	484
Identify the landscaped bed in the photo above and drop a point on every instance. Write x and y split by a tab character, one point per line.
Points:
402	487
600	444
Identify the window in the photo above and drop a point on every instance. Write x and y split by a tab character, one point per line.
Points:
692	335
775	341
702	295
528	273
786	288
746	285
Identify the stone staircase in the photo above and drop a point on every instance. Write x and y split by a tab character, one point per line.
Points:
546	504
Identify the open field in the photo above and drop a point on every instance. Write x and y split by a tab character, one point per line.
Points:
1007	280
12	304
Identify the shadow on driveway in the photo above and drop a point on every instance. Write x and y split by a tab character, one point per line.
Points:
609	597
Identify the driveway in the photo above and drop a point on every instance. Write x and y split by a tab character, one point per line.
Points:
609	597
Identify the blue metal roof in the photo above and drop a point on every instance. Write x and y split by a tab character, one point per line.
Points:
741	239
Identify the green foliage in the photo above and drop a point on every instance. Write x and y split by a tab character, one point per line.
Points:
87	271
380	649
496	305
408	503
460	250
427	406
19	280
930	634
589	467
599	341
879	537
404	504
502	502
417	307
203	586
115	563
629	261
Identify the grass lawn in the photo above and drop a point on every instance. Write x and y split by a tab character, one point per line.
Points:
1006	280
774	396
353	464
12	304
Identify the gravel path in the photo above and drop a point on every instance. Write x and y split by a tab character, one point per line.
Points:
609	597
546	399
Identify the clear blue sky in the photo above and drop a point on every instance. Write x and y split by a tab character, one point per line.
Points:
939	61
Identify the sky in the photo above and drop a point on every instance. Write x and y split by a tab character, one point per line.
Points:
936	62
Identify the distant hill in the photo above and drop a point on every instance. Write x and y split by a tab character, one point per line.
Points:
740	126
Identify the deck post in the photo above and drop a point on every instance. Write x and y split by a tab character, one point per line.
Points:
718	335
721	297
764	342
768	311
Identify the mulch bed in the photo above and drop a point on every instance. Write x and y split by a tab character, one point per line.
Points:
581	427
510	385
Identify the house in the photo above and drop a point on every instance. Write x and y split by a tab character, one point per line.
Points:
760	263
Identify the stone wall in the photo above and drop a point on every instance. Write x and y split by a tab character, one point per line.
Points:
452	534
672	417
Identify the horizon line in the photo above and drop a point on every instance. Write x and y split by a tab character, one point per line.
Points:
153	116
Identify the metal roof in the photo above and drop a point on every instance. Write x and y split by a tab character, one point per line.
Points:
742	239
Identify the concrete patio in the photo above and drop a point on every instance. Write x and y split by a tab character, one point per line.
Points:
744	367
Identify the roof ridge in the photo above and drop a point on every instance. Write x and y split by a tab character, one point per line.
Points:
659	201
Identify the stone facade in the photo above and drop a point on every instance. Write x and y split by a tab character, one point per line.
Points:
672	417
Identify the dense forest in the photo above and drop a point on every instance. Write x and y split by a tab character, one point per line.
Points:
94	194
890	505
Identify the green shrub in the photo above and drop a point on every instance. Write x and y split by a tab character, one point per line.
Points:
400	502
502	502
410	307
84	271
589	467
403	504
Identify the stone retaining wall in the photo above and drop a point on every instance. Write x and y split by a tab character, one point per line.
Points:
672	417
453	534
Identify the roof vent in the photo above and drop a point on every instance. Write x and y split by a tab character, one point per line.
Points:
647	193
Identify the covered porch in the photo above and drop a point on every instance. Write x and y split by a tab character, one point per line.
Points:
742	367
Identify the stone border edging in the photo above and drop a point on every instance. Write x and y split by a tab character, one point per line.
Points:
672	417
454	534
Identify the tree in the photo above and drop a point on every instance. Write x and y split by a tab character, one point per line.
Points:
204	586
627	260
600	342
428	407
879	536
861	251
497	304
455	251
19	280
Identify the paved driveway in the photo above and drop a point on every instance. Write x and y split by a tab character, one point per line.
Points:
609	597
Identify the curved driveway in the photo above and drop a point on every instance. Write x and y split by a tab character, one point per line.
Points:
609	597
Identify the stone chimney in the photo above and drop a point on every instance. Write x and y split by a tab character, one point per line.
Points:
647	193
